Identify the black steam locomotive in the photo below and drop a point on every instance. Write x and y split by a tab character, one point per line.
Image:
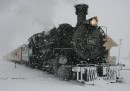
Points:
80	53
66	46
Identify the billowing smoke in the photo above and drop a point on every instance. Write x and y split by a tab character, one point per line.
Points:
19	19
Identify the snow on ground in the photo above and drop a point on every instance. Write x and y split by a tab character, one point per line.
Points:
23	78
126	62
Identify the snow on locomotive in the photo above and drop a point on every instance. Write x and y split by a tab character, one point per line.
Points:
80	52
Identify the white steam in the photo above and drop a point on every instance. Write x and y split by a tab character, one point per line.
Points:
19	19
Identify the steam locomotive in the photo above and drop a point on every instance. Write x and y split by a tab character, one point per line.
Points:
72	52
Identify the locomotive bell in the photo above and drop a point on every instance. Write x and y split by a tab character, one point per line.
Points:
81	12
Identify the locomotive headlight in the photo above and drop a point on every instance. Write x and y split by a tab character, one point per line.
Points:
94	21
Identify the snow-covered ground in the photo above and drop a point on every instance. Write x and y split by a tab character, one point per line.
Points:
23	78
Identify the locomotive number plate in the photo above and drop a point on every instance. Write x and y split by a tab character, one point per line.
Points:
91	41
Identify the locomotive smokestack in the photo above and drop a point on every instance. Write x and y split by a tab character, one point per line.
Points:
81	12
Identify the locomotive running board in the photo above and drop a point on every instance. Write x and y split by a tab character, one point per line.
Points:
89	74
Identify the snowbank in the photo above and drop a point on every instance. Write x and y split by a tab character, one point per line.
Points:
23	78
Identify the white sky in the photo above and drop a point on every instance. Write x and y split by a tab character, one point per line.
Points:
19	19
